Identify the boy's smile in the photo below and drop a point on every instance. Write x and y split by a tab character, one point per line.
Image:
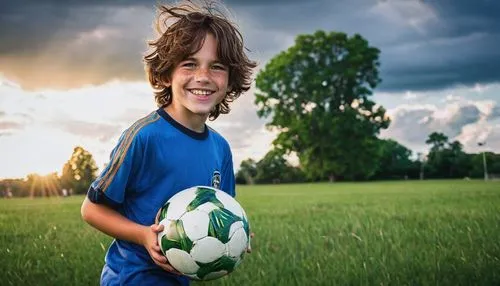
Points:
198	84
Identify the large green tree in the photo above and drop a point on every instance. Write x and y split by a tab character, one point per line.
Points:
317	94
79	171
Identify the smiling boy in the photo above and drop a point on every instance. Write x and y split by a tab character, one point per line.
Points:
196	66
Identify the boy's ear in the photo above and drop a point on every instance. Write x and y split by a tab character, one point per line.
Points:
167	82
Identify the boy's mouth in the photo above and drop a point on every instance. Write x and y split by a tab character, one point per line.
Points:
201	92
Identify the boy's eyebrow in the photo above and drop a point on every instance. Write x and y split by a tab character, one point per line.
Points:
195	60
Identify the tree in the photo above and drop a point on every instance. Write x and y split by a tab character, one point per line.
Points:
79	171
438	159
395	161
274	168
247	172
437	140
317	95
460	163
447	160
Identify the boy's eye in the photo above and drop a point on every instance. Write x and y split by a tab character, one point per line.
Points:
219	67
188	64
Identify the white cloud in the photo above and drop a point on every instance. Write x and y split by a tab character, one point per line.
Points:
94	116
39	129
467	114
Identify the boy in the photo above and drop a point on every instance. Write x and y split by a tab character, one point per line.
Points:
196	67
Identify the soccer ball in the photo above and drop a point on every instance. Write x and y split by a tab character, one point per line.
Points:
206	232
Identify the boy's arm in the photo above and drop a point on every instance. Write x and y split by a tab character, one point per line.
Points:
114	224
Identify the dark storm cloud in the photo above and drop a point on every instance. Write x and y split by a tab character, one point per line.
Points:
434	46
26	27
449	42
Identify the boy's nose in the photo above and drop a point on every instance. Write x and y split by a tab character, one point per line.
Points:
201	75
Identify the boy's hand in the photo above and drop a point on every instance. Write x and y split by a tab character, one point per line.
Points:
249	248
151	245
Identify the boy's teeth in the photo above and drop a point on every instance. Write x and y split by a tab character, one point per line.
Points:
200	92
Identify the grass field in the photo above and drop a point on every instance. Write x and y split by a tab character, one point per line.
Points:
386	233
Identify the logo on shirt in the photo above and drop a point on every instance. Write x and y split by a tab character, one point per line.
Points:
216	180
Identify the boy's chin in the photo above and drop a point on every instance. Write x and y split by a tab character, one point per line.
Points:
201	111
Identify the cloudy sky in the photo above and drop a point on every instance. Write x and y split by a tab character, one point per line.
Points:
71	71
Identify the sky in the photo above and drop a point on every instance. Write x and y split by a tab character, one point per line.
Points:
71	72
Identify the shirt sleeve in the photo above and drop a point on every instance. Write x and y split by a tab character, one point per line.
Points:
110	187
227	176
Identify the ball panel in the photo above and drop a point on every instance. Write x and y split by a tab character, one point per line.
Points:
229	203
170	229
238	243
204	195
162	212
186	243
238	262
220	224
207	207
166	244
182	261
215	275
193	276
246	226
168	237
195	224
235	226
207	249
173	236
178	204
224	263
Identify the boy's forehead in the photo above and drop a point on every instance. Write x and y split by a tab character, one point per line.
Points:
208	44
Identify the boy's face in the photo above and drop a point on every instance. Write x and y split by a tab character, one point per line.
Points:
199	82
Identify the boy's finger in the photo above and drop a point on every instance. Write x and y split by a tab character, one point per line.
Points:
157	227
159	258
167	267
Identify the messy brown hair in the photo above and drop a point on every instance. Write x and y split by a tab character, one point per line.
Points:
182	30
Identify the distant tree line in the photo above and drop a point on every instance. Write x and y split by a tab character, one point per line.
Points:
445	160
394	162
77	175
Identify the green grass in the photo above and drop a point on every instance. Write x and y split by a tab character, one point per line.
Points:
387	233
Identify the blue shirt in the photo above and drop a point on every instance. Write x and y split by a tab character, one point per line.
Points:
154	159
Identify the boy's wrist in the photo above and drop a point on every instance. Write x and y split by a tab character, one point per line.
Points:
143	235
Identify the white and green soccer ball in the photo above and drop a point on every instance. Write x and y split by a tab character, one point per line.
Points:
206	232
